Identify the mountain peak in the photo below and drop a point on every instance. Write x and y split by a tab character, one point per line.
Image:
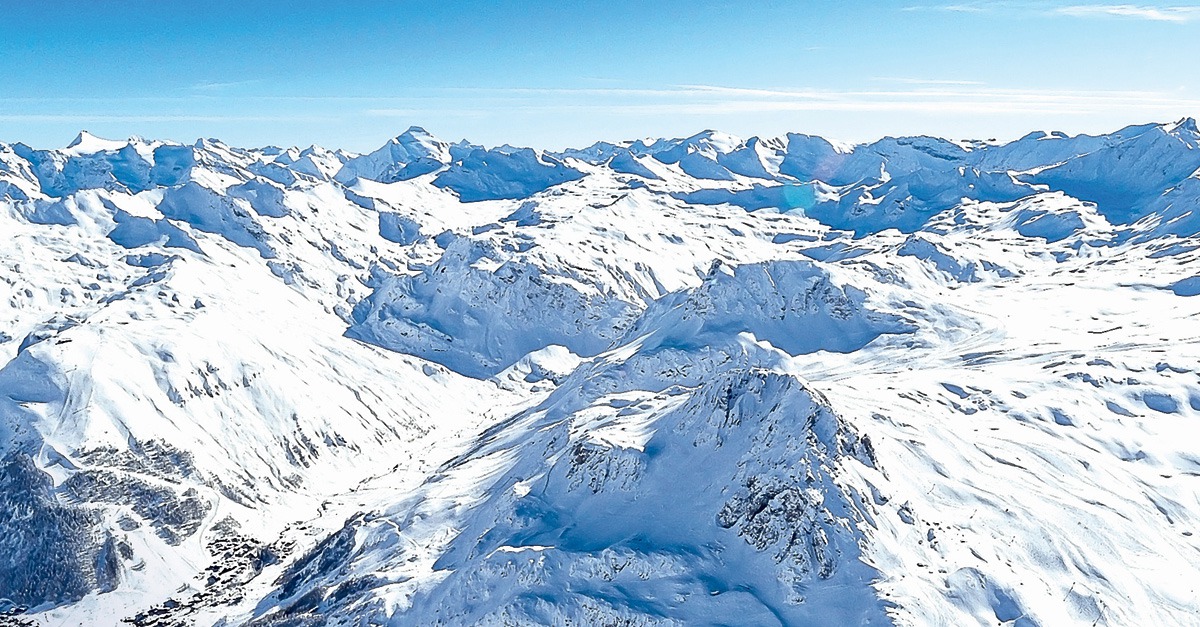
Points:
87	143
593	375
721	141
416	134
82	137
1185	125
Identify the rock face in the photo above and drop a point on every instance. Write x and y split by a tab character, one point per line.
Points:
793	305
52	551
771	381
409	155
594	496
478	315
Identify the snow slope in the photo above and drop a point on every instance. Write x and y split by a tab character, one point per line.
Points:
772	381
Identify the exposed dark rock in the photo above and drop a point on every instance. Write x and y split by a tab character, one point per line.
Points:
50	553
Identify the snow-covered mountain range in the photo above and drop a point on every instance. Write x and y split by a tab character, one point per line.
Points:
702	381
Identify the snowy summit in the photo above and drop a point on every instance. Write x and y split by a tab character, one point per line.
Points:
695	381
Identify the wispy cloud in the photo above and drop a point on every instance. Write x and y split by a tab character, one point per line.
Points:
953	8
952	97
76	118
1151	12
922	81
1178	14
420	112
895	94
213	86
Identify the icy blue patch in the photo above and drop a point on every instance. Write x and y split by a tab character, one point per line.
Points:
926	250
525	215
625	163
837	251
1159	402
12	192
265	198
172	165
147	260
783	238
42	212
135	231
1187	287
1052	227
399	229
365	202
211	213
955	390
786	197
1118	410
1061	418
500	174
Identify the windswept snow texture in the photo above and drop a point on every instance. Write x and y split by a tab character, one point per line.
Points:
697	381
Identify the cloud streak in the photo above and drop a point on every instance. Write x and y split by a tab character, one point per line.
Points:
88	117
208	86
922	81
1177	14
905	95
953	8
960	97
1147	12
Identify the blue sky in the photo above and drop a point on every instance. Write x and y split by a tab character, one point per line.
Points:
555	74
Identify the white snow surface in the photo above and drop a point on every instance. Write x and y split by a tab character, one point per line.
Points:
700	381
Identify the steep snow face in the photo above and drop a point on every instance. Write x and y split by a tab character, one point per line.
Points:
411	154
504	174
576	511
1159	157
592	524
902	182
792	305
147	411
477	313
705	380
472	172
1175	212
1045	381
715	155
151	401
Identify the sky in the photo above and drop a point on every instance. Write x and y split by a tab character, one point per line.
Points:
565	73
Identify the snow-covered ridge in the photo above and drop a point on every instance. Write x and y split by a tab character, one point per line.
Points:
893	182
699	380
